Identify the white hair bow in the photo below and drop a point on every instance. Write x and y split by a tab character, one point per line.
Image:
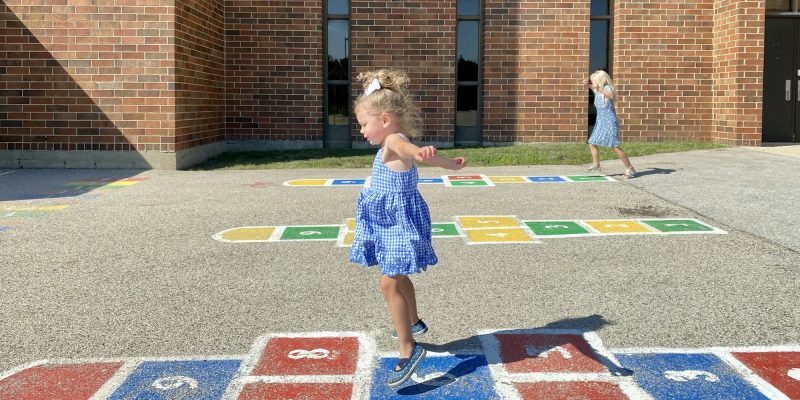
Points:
373	86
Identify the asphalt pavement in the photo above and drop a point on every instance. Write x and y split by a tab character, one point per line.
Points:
94	268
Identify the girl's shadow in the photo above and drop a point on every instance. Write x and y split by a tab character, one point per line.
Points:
465	349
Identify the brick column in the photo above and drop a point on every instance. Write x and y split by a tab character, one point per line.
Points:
663	67
274	70
418	37
79	78
738	71
535	55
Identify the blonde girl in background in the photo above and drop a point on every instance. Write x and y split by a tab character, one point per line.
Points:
393	224
606	128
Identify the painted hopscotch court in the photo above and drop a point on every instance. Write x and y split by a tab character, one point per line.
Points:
35	205
457	181
481	229
510	364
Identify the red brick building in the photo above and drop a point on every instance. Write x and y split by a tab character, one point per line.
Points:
170	83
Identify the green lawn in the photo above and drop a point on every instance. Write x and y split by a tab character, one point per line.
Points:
525	154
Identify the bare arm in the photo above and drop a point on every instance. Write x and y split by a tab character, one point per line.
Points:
428	154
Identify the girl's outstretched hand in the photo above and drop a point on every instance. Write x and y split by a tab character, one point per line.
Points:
461	162
425	153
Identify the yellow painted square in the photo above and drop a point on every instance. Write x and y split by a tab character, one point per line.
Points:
348	238
507	179
307	182
254	233
122	183
488	221
351	224
618	226
502	235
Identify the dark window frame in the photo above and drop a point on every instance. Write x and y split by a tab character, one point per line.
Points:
609	56
338	82
795	6
479	18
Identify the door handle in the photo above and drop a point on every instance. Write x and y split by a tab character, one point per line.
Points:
788	90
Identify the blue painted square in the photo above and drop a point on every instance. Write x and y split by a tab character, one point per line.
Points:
4	228
187	380
431	180
348	181
455	377
676	376
545	179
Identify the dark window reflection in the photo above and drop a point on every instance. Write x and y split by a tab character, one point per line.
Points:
338	7
468	45
599	7
338	37
598	46
467	106
338	102
469	8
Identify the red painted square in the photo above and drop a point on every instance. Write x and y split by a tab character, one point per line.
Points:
308	356
570	391
780	369
463	177
57	382
293	391
522	353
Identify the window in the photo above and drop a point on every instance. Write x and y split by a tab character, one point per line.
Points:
468	72
338	71
336	111
599	46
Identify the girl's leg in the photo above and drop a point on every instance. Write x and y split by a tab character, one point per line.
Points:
595	156
624	157
399	311
407	289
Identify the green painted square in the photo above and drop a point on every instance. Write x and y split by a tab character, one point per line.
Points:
310	233
549	228
469	182
586	178
678	225
444	230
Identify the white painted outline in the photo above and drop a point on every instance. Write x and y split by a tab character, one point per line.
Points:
504	380
606	178
448	183
6	172
725	354
462	231
520	225
361	378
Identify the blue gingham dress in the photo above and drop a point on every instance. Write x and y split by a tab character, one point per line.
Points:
606	128
393	223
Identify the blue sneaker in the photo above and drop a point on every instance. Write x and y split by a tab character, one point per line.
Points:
417	329
407	366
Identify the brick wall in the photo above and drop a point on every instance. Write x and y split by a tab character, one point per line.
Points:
273	66
418	37
83	76
535	56
199	73
739	69
663	67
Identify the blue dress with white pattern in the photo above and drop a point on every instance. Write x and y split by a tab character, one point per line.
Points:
606	128
393	223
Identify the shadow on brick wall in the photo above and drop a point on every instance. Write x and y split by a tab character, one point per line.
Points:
44	112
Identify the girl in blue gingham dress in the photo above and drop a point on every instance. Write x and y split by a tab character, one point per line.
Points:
606	127
393	225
